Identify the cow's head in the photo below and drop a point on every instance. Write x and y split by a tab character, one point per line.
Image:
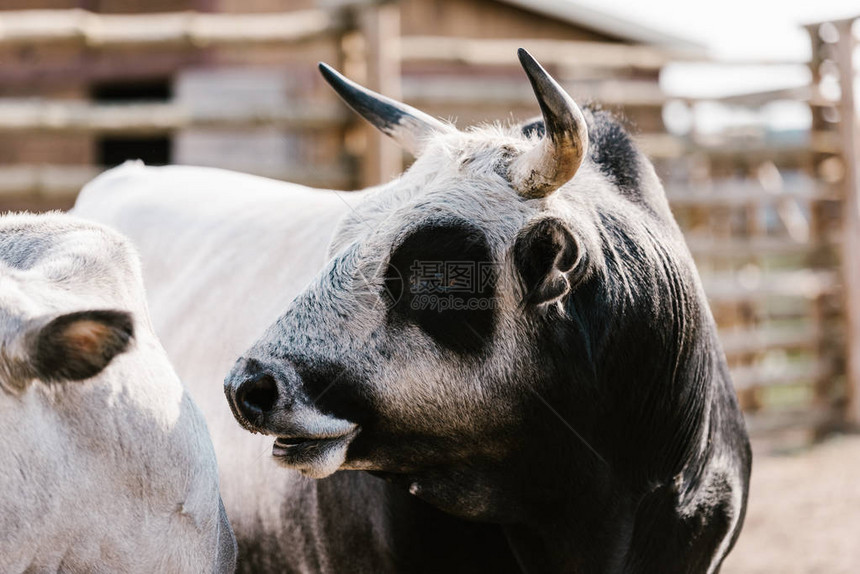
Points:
491	321
98	434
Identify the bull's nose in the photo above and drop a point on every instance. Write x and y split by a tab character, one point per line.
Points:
255	396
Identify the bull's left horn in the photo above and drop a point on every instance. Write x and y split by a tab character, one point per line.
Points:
409	127
554	161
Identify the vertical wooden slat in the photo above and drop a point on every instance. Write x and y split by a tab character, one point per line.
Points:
750	311
827	314
851	228
380	25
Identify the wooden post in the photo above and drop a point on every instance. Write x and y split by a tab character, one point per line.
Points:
851	221
830	349
380	25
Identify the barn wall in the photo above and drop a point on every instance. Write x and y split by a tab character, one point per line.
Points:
257	6
70	70
485	19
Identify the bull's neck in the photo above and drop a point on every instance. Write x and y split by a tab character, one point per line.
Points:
586	530
544	550
612	522
635	536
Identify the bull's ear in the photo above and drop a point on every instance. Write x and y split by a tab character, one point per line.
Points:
79	345
545	252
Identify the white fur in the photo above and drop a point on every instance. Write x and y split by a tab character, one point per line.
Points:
115	473
271	239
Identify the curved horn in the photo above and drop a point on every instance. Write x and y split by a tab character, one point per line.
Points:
554	161
404	124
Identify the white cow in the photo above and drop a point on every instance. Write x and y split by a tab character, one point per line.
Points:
270	238
106	464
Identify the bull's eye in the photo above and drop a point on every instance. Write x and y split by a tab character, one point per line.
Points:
442	278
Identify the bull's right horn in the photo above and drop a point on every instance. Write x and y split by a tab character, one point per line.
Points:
554	161
409	127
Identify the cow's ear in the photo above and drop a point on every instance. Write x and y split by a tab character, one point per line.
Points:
545	252
79	345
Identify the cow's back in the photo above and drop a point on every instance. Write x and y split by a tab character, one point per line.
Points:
223	254
206	234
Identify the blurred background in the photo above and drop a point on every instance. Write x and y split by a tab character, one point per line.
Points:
748	110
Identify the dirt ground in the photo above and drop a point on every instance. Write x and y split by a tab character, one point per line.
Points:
804	513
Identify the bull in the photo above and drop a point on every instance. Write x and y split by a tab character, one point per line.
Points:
567	409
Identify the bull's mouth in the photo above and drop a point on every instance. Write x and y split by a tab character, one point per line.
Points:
314	456
296	446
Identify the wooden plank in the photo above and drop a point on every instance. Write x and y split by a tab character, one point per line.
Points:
803	284
739	248
96	66
806	94
746	192
183	29
777	421
158	118
765	376
754	341
667	146
491	52
663	146
382	159
843	21
827	311
44	181
494	52
849	133
459	92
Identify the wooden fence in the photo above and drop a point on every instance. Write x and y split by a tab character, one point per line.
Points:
354	32
773	223
833	101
